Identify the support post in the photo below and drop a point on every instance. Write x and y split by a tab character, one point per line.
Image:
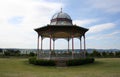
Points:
38	43
80	44
50	48
72	46
50	42
53	44
84	46
38	47
68	44
41	42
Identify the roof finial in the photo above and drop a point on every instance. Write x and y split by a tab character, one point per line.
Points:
60	6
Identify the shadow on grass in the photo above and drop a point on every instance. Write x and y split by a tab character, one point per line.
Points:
96	63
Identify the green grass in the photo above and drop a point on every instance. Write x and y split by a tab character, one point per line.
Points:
103	67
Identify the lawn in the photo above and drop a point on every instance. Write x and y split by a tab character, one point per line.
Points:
103	67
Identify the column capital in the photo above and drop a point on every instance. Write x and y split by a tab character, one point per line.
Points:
84	35
68	39
54	39
38	35
42	37
80	37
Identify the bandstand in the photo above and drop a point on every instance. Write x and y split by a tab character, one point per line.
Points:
61	26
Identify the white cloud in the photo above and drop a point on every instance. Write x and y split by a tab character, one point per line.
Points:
101	27
112	35
111	6
84	22
34	13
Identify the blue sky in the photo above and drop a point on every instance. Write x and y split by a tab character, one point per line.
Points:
18	18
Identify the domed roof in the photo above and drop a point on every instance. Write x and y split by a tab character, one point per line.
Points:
61	18
61	15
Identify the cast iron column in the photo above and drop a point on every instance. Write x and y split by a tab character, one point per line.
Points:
80	43
50	48
68	44
41	42
53	44
84	46
72	46
38	43
38	47
50	42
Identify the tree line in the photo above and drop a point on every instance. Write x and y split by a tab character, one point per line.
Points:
95	53
13	52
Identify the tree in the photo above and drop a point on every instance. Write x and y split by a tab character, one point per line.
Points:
95	53
117	54
104	54
6	53
0	50
87	54
31	54
111	54
12	52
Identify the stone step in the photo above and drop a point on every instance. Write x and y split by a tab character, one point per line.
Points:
61	63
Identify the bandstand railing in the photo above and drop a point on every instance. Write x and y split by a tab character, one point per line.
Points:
60	55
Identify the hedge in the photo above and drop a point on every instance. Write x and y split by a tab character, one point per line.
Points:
41	62
72	62
75	62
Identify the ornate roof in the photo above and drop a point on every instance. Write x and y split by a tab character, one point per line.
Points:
61	18
61	27
61	31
